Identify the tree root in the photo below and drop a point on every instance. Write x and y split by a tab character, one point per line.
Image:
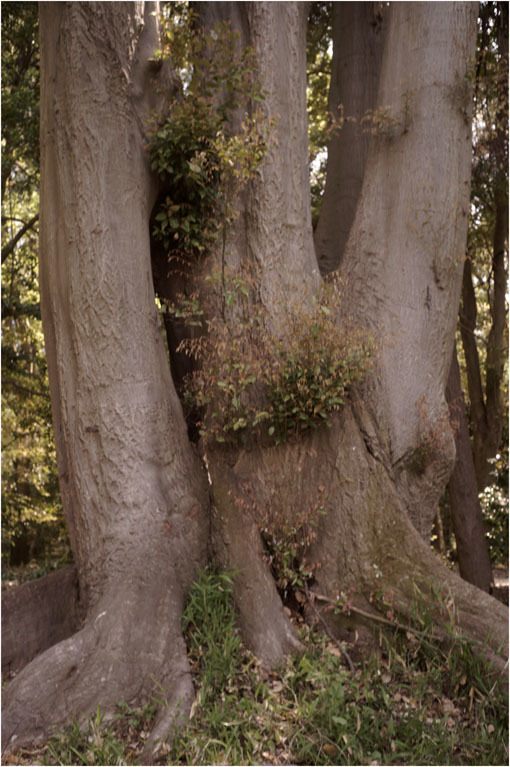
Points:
130	649
44	612
266	629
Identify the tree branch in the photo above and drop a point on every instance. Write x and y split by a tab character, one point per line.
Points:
328	632
26	389
9	248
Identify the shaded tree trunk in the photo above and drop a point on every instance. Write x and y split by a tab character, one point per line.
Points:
42	612
472	547
358	38
390	454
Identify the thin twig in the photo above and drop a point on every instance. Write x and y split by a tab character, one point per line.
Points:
11	245
376	618
328	632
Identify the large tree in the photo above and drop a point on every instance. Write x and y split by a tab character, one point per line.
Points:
139	510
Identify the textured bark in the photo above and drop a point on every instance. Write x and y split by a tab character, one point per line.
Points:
403	261
133	490
132	486
358	38
392	456
37	615
272	243
472	547
366	542
273	238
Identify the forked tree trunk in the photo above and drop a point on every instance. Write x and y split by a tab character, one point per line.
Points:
133	490
388	458
132	485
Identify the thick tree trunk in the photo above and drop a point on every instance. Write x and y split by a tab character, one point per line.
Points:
472	548
132	486
358	39
391	457
133	490
273	244
366	542
404	258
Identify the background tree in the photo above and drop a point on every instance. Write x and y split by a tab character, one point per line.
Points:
482	318
486	267
358	38
134	491
31	511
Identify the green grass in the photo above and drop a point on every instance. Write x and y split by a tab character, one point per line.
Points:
414	703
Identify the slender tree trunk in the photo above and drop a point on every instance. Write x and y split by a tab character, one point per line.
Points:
133	491
486	412
472	548
358	39
468	316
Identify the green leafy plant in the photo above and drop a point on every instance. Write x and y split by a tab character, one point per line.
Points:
209	626
200	159
261	385
287	543
494	504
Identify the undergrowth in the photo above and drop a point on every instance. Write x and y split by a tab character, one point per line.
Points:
407	704
257	384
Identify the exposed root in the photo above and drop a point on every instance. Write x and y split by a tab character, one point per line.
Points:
265	627
130	648
173	714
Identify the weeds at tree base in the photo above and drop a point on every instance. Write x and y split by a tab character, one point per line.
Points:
407	705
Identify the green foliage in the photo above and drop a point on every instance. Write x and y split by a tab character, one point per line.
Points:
267	385
209	626
287	542
319	50
20	96
200	159
32	524
31	511
99	742
494	504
